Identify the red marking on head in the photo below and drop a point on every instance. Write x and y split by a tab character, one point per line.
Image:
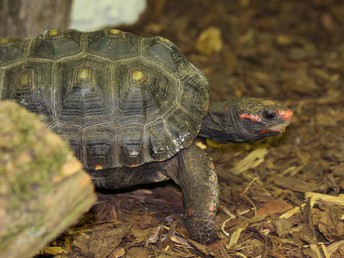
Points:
285	114
255	118
212	208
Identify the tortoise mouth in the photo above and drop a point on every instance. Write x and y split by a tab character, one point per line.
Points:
283	121
278	128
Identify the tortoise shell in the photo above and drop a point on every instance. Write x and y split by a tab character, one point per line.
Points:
119	99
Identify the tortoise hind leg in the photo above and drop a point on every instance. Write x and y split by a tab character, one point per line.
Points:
198	180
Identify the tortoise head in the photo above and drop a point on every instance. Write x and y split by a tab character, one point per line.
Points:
263	118
245	119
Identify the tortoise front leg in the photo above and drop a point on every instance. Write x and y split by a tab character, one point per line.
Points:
198	180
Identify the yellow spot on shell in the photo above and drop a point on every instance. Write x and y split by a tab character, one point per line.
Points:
84	74
98	166
53	32
114	31
137	75
24	80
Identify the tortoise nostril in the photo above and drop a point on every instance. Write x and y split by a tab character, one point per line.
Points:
285	114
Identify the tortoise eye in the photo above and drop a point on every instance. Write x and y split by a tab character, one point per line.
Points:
269	115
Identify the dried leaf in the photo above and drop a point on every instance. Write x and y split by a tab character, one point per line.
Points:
209	41
146	235
283	226
53	250
274	207
118	252
325	119
100	242
329	222
235	237
153	236
335	246
199	247
284	40
294	184
179	240
134	252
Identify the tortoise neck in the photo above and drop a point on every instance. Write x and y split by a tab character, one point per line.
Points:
222	123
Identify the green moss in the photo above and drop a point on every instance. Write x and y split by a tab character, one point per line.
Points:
30	156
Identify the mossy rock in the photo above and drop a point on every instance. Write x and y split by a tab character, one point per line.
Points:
43	188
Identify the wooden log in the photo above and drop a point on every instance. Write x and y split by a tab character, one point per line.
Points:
23	18
43	189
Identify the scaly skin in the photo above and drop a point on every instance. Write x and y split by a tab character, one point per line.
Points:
198	180
245	119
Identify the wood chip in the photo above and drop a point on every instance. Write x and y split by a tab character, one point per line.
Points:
325	197
252	160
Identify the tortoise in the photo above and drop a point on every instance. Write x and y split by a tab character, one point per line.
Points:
131	109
